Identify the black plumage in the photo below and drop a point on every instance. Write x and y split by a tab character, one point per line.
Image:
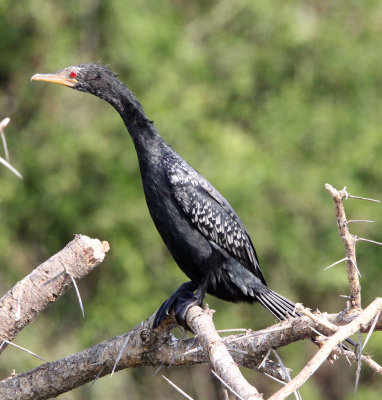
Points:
201	230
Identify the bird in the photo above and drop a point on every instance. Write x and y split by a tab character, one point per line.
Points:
201	230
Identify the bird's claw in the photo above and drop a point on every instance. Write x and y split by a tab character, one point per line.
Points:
177	301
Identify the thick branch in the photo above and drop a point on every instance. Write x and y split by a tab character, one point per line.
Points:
146	347
349	242
221	360
47	282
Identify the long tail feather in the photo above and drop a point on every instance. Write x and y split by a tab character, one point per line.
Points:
281	308
276	304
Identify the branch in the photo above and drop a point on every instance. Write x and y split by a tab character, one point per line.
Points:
349	242
343	333
201	324
146	347
20	306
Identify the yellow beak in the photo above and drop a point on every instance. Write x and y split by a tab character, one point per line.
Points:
55	78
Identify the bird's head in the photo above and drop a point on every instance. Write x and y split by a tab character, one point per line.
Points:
100	81
91	78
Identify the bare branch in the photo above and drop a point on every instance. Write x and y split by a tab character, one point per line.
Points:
47	282
349	242
201	324
344	332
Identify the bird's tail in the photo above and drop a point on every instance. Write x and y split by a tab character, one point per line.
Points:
276	304
281	308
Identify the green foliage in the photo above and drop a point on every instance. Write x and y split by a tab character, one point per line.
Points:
268	100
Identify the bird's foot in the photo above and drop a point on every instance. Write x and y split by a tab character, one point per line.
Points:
181	296
183	304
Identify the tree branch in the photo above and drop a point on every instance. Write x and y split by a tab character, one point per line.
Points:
159	348
349	242
364	318
201	324
20	306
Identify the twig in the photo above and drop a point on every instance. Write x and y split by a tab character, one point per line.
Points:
349	242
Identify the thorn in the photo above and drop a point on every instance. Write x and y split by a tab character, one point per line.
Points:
337	262
75	287
368	240
178	388
227	386
363	198
359	363
232	330
318	333
355	266
4	123
9	166
297	394
78	295
96	378
120	354
23	349
371	329
264	359
359	220
275	379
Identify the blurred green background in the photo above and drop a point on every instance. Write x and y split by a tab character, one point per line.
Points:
267	99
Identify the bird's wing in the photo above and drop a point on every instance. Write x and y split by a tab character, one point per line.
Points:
210	213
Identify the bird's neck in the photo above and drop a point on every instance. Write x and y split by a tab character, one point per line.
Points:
141	129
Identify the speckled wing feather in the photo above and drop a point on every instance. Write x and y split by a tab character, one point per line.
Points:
209	212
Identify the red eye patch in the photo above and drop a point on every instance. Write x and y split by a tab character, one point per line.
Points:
73	74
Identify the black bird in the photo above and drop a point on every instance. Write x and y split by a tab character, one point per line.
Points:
199	227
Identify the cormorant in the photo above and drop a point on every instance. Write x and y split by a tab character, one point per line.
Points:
199	227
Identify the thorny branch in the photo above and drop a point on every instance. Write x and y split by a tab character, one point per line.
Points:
349	242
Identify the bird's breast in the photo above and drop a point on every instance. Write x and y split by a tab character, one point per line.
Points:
191	251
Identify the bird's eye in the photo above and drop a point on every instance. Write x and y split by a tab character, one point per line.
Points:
73	74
